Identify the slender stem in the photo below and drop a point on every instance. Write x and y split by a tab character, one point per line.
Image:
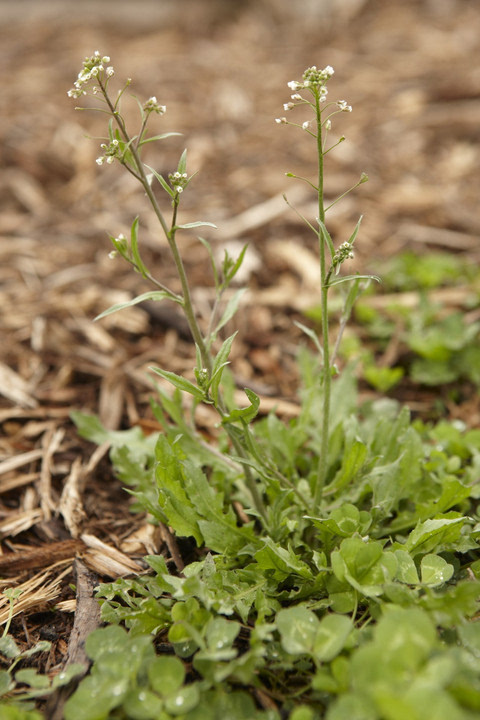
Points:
187	300
170	235
327	378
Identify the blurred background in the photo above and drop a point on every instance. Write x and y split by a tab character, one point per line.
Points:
409	68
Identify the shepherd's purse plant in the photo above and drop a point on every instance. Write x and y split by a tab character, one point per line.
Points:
335	570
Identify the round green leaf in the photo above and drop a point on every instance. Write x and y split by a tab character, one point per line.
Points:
183	701
166	674
298	629
331	636
435	570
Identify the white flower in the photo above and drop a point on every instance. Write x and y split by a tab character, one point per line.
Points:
328	70
282	120
288	106
296	96
179	189
100	160
306	125
293	85
328	125
110	72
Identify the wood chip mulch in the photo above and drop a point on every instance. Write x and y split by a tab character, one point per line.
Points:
411	70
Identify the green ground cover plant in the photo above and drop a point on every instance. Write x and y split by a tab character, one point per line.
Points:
348	586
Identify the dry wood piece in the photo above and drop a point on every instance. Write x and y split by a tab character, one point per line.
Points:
107	560
14	387
42	556
87	619
37	593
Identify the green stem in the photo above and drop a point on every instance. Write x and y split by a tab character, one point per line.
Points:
187	300
327	379
169	233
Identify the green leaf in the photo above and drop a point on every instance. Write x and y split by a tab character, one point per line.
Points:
284	562
6	682
435	570
354	234
230	310
311	334
230	272
406	569
65	676
156	295
197	223
352	463
29	676
221	360
182	163
326	237
298	628
348	278
434	534
166	675
180	382
162	181
183	701
154	138
246	414
96	696
143	704
134	248
331	636
8	647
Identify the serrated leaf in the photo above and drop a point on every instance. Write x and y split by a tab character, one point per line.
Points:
246	414
434	533
282	561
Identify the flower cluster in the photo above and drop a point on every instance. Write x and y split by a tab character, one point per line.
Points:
110	152
178	181
344	252
312	79
93	67
153	106
343	107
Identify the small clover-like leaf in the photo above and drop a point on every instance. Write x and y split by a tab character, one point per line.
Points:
435	570
166	675
298	628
